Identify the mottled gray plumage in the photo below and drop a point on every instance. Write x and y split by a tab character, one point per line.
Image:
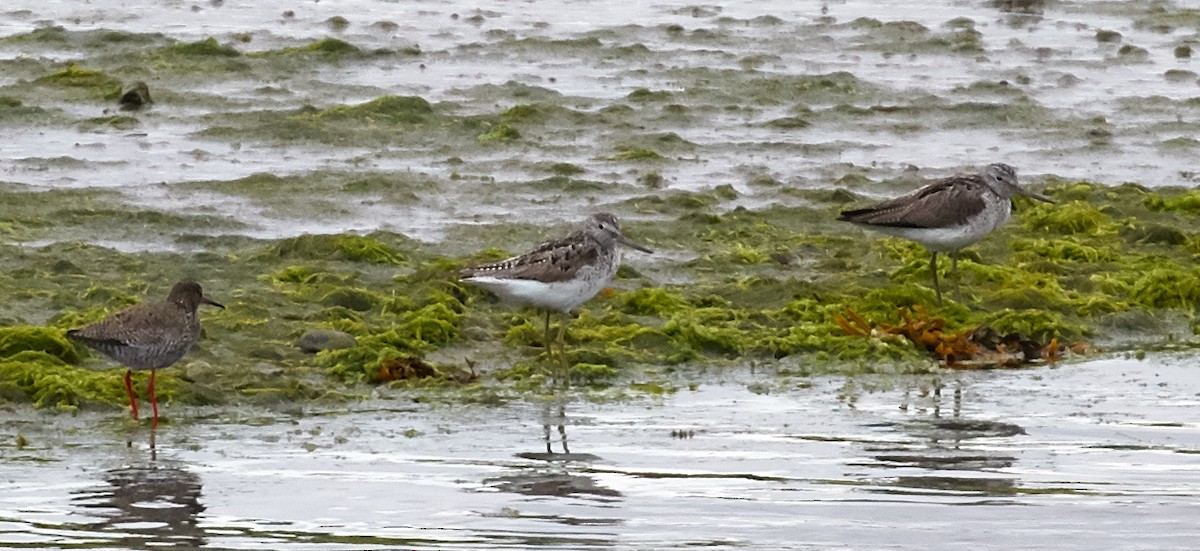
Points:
148	336
151	335
953	201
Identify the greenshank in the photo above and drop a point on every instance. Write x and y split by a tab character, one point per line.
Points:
559	275
948	214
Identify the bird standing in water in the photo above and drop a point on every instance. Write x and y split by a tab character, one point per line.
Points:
148	336
948	214
558	275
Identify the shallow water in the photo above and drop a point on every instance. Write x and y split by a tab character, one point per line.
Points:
1096	455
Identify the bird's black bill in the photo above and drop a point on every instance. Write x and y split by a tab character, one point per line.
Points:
212	302
625	241
1034	195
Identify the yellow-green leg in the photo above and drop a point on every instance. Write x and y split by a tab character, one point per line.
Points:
954	274
933	269
562	352
549	349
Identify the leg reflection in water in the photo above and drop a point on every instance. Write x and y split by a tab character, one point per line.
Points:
561	421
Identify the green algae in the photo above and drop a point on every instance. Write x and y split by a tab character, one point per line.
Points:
95	83
46	381
390	109
202	48
116	122
501	133
37	365
629	153
14	340
643	94
1162	18
519	113
1186	202
908	37
756	286
356	248
386	119
325	47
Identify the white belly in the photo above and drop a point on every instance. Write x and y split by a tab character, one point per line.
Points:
559	296
953	238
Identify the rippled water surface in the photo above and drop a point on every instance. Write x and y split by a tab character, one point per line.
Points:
1098	455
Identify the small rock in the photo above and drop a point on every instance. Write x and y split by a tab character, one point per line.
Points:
316	340
135	96
268	370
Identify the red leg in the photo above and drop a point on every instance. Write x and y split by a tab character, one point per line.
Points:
129	391
153	399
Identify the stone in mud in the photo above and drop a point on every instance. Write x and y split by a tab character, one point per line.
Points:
316	340
135	96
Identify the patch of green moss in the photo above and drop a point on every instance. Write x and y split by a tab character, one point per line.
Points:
501	133
358	248
328	47
202	48
1167	286
566	169
17	339
1075	217
53	34
625	153
410	334
518	113
1165	18
788	123
1068	249
390	109
96	83
644	94
46	381
117	122
592	374
1188	202
651	301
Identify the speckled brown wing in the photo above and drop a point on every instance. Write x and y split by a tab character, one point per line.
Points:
947	202
549	262
144	336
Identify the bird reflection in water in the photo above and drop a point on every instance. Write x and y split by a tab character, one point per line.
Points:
147	506
937	451
552	474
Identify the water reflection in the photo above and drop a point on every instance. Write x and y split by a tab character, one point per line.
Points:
554	428
938	438
553	473
147	506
